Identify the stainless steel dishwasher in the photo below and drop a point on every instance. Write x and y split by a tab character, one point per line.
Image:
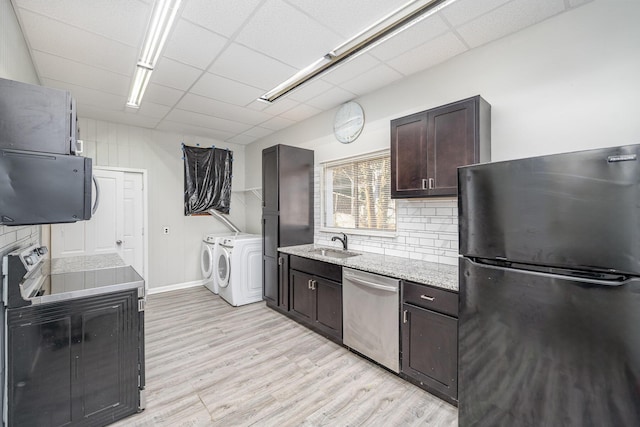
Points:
371	316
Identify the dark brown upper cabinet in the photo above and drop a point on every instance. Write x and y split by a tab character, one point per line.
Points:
428	147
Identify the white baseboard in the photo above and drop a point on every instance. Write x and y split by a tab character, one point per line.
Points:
175	287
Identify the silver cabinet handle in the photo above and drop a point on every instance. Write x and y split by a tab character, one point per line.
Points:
427	297
432	183
424	184
97	201
313	285
279	260
309	284
404	316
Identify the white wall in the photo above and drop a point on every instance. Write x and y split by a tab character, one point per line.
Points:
173	258
15	64
566	84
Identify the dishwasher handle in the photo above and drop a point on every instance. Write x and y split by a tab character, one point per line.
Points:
369	284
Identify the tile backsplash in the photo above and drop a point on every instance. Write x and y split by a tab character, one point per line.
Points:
13	237
427	229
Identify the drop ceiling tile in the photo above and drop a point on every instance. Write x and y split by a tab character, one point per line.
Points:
242	139
576	3
347	18
187	42
373	79
222	16
212	107
429	54
258	132
121	20
463	11
250	67
174	74
193	130
309	90
225	90
331	98
130	118
206	121
513	16
419	33
47	35
162	94
64	70
153	110
284	33
88	96
277	123
350	69
301	112
280	106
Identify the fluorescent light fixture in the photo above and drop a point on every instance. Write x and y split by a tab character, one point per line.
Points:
389	26
164	13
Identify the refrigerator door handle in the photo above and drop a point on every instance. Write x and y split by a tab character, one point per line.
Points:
611	283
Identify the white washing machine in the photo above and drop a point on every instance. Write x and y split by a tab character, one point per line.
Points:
239	269
207	258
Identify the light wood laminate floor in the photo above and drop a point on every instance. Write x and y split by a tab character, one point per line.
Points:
210	364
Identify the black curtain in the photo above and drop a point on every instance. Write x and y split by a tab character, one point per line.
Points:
207	179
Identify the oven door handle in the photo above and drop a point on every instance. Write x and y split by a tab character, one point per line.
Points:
368	284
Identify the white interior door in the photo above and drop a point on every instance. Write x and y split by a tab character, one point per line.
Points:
116	227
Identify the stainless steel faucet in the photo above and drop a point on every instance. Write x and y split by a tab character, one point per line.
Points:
343	239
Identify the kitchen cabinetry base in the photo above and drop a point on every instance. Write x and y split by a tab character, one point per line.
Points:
430	390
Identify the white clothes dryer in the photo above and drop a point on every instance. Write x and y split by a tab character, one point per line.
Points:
207	258
239	269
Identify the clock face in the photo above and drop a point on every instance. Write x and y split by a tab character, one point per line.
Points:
348	122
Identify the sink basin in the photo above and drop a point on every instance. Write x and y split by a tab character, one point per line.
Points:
333	253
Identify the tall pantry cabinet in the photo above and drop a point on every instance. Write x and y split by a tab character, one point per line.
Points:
287	214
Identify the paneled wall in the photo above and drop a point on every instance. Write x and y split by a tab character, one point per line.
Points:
174	258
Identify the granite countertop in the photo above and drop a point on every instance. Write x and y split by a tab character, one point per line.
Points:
84	263
428	273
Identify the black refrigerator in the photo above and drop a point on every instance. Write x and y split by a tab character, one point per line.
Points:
549	326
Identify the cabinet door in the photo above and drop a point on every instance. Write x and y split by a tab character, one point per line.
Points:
328	299
75	362
409	155
40	367
270	279
270	179
430	349
283	282
451	138
301	295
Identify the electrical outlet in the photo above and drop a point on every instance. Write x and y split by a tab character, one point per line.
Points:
165	230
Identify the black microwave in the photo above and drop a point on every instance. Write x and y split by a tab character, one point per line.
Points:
42	181
44	188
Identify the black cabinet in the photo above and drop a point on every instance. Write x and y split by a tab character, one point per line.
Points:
315	290
287	213
429	146
429	355
75	363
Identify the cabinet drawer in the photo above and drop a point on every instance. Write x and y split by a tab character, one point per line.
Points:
317	268
430	298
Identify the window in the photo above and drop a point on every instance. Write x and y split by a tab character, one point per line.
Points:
356	194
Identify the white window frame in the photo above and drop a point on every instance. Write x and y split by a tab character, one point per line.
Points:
365	232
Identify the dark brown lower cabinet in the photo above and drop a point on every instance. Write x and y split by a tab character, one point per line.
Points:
74	362
316	300
430	340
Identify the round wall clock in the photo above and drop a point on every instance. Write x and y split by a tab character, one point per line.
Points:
348	122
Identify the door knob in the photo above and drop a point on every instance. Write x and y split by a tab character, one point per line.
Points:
118	242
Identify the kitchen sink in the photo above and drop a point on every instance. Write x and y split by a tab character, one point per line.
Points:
333	253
